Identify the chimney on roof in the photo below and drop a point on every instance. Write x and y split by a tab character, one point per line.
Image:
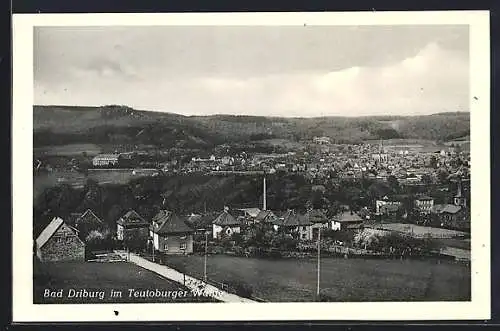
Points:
226	209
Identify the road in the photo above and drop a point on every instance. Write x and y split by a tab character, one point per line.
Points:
191	282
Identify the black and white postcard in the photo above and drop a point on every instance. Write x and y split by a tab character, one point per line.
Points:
251	166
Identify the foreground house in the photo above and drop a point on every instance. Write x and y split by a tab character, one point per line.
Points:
171	234
132	228
88	222
59	242
306	226
317	220
225	224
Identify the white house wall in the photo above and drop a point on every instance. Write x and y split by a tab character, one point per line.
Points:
156	241
216	229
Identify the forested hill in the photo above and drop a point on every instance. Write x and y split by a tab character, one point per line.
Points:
120	124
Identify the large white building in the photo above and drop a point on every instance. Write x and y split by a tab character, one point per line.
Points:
105	160
424	204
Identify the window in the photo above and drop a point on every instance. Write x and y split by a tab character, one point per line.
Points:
183	246
304	236
304	228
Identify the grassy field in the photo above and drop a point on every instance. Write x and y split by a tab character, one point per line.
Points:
120	276
287	280
420	231
68	150
455	243
45	180
49	179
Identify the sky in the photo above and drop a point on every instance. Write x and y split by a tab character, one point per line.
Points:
286	71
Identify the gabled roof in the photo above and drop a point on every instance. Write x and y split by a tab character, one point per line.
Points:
291	219
73	218
446	208
303	220
88	217
225	219
205	220
132	217
49	231
166	222
316	216
424	197
253	212
194	218
265	215
347	217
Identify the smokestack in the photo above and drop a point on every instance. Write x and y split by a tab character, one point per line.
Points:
264	207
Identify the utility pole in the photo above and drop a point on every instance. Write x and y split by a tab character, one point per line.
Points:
206	250
319	261
184	271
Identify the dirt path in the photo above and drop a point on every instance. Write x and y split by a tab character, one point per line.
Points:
192	283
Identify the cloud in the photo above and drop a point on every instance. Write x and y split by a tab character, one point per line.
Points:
434	80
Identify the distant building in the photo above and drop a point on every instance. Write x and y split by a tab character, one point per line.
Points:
318	220
59	242
250	212
391	210
171	234
132	228
322	140
265	216
451	216
459	198
305	226
380	157
380	205
424	204
105	160
225	224
348	220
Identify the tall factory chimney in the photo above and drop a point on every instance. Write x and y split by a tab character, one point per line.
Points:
264	204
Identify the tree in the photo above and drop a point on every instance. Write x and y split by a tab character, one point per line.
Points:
426	179
443	176
433	162
393	183
98	240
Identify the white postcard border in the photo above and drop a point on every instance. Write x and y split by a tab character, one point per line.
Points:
22	136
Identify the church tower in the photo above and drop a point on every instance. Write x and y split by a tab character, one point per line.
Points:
459	199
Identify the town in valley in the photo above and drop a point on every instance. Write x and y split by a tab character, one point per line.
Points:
252	163
202	212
